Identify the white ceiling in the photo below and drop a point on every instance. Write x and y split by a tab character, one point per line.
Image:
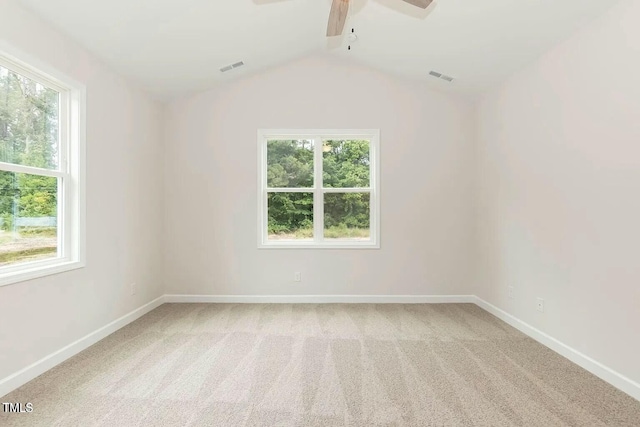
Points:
173	47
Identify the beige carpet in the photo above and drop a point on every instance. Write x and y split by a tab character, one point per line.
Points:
320	365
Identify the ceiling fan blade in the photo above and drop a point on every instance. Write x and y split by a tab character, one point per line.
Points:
422	4
337	17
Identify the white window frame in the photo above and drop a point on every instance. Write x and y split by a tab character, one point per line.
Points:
318	135
71	168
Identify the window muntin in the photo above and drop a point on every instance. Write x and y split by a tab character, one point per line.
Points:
318	189
41	136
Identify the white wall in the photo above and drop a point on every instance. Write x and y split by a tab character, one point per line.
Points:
124	203
559	191
211	185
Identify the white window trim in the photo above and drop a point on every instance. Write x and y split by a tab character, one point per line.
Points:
71	209
373	135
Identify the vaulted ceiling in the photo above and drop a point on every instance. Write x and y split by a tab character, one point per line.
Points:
172	47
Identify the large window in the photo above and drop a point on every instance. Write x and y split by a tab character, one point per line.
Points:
318	189
40	171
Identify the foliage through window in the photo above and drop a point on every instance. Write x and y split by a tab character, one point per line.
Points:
39	205
318	188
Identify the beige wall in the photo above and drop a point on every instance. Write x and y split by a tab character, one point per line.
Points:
559	192
124	207
211	185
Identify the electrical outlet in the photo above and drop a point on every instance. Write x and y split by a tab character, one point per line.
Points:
133	288
511	292
540	305
297	277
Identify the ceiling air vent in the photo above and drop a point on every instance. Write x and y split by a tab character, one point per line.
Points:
231	67
441	76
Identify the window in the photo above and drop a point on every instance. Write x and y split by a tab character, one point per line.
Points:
41	136
318	189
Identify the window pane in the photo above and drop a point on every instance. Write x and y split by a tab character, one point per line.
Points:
28	121
28	217
290	164
290	216
345	163
347	216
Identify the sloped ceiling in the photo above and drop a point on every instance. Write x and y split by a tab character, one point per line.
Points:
172	47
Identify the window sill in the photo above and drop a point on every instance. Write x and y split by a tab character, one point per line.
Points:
313	245
38	270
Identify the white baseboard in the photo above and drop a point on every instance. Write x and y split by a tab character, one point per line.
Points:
25	375
322	299
607	374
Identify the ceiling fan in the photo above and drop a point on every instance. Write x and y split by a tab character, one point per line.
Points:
340	8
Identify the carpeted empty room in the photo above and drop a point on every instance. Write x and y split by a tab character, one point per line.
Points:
319	213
